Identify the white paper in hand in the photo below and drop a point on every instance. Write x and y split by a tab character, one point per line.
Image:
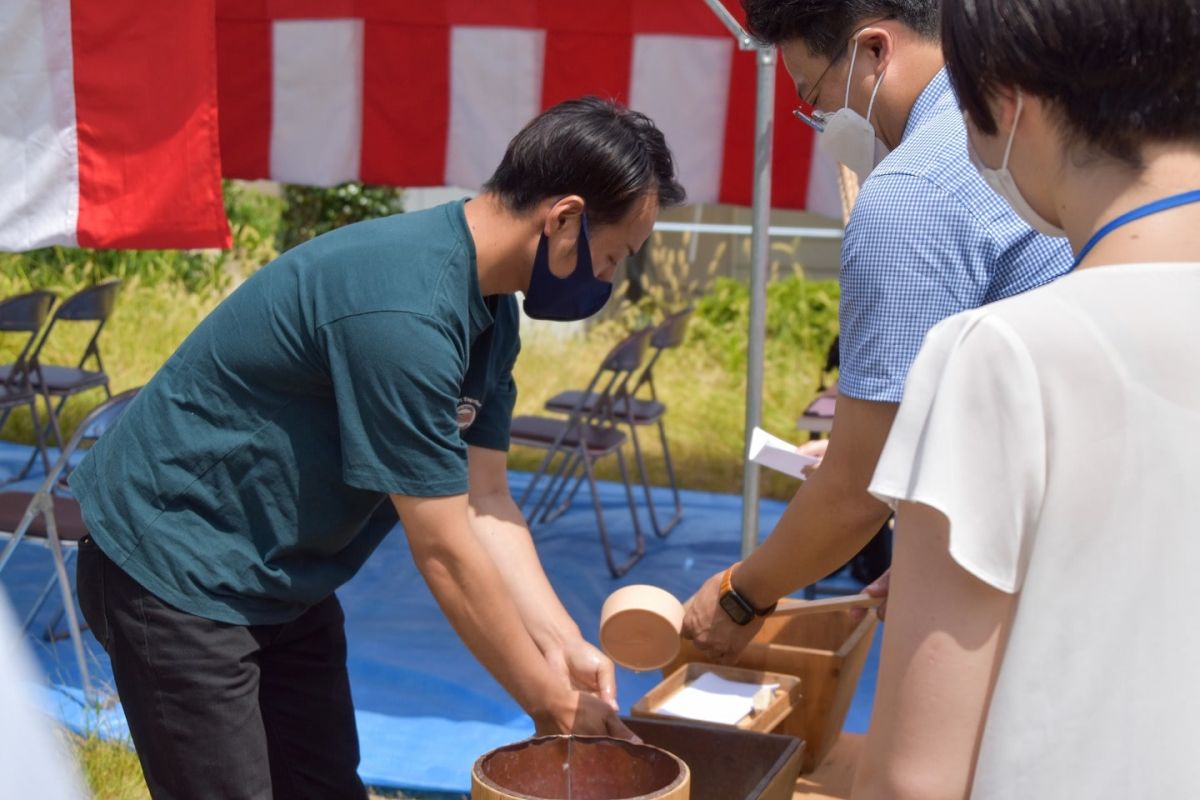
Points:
771	451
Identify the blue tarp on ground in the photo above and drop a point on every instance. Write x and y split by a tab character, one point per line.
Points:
425	707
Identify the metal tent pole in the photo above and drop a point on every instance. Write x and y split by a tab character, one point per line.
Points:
764	124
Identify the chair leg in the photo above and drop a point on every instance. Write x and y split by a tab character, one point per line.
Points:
39	434
68	598
562	476
671	479
554	512
537	476
617	570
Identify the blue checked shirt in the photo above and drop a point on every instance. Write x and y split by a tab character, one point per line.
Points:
928	238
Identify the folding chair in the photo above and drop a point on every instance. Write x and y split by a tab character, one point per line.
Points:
581	439
91	305
817	417
24	314
637	411
55	522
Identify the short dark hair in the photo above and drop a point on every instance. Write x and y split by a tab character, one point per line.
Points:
825	25
598	149
1118	73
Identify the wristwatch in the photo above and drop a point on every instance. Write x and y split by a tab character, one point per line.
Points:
737	607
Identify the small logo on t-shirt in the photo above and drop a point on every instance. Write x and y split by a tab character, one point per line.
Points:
468	409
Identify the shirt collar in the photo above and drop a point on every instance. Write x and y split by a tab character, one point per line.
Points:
932	96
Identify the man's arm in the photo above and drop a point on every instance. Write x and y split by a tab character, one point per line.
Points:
942	649
469	588
830	519
500	527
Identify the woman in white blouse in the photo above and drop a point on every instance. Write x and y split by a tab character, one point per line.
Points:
1041	640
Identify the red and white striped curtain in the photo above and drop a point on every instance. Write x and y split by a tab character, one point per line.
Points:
108	125
429	93
118	118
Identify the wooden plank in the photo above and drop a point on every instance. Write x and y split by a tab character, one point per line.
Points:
833	778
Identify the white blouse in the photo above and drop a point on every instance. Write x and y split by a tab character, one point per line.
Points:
1059	433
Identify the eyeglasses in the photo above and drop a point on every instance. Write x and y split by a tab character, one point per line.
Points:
817	119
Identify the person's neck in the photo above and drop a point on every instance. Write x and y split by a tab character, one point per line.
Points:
902	86
1098	191
503	254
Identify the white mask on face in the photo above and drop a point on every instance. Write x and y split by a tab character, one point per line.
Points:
849	138
1003	184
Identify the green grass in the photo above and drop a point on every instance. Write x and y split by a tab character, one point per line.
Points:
112	772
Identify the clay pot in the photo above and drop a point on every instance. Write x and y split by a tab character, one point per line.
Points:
579	768
640	625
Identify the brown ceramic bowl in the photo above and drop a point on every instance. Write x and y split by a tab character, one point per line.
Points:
579	768
640	625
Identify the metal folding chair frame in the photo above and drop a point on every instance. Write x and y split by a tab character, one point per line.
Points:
42	504
574	445
93	304
17	384
667	335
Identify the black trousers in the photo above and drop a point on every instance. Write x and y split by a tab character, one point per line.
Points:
226	712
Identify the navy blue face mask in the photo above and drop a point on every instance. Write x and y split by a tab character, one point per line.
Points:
577	296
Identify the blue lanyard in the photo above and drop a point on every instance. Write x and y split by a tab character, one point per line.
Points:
1165	204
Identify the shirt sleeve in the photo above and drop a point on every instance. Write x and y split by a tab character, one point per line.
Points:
970	441
395	382
913	255
494	420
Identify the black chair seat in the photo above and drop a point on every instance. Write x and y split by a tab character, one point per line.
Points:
645	412
545	431
67	515
59	380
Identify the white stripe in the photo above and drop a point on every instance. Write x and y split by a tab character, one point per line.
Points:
39	157
495	88
682	83
316	101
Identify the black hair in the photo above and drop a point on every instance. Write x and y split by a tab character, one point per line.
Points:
1118	72
825	25
603	152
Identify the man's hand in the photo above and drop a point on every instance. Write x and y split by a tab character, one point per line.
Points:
813	449
584	668
877	589
712	630
580	713
590	675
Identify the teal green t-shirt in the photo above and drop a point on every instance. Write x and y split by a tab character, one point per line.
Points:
249	478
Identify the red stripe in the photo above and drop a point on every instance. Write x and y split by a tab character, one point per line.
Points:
406	104
146	118
578	64
244	93
737	170
793	146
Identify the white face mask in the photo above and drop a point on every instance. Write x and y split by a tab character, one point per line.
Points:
1003	183
849	138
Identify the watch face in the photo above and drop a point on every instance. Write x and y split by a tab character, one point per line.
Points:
736	608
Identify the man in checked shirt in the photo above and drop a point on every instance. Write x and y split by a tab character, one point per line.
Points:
927	238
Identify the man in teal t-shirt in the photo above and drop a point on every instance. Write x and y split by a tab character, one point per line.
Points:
365	371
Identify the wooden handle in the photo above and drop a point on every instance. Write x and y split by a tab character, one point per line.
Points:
796	608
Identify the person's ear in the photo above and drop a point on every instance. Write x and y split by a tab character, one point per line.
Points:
565	216
878	45
1002	102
